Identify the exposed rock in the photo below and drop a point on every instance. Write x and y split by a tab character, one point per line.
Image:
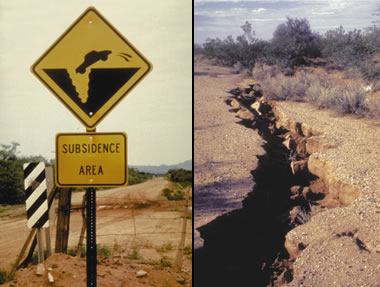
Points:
245	114
40	269
50	278
141	273
296	189
256	106
235	104
299	168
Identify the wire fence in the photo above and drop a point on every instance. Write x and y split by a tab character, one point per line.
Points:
142	230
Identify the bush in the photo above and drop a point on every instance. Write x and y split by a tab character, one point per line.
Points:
173	195
348	48
135	176
347	99
3	276
293	42
165	262
283	88
182	176
245	50
373	104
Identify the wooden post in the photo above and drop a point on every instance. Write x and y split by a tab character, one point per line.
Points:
181	245
40	244
50	191
23	249
83	230
63	221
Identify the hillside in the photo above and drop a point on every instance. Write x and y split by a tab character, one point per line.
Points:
162	169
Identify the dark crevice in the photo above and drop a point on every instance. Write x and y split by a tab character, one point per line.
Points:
245	247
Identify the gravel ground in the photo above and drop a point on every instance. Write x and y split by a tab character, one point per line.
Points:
337	247
343	243
224	151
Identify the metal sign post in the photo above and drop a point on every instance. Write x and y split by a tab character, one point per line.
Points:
91	236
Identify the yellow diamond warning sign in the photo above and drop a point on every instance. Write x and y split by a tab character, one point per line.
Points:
91	67
91	159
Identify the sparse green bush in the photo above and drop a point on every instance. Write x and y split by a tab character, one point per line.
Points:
173	195
135	176
165	262
165	247
183	176
103	251
3	276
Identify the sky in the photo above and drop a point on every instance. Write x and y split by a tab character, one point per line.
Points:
156	114
222	18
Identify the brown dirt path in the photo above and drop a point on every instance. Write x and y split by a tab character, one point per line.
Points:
157	222
224	151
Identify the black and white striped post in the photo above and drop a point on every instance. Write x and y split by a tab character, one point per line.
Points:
37	209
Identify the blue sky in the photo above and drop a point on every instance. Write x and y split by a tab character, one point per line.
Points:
222	18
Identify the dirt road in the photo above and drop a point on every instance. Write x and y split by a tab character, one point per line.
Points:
121	213
224	151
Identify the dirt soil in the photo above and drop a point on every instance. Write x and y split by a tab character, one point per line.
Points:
337	247
157	223
224	151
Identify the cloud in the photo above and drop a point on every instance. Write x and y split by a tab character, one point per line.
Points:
258	10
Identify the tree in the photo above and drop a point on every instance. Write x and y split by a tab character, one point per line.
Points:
11	175
9	152
248	33
293	42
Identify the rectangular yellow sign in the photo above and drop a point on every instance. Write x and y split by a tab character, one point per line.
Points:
91	159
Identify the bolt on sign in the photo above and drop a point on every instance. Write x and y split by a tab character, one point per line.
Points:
91	159
91	67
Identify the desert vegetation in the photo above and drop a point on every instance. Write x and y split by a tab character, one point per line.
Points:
339	70
12	175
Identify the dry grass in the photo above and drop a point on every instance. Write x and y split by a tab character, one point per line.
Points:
320	88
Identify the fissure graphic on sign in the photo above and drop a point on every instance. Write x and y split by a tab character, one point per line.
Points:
91	67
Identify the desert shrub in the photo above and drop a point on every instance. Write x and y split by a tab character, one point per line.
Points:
282	87
293	42
263	71
173	195
3	276
165	247
347	48
165	262
103	251
347	99
245	49
369	70
237	68
183	176
373	104
135	176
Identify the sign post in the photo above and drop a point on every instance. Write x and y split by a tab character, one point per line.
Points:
91	236
90	68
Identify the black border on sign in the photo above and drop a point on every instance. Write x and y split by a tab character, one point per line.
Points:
72	26
124	183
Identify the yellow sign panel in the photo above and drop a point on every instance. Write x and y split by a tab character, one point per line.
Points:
91	159
91	67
